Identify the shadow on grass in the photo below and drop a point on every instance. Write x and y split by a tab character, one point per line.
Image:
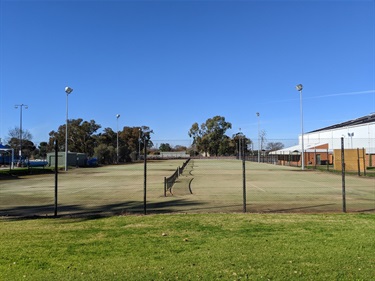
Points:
8	176
93	212
365	211
83	212
299	209
318	209
19	172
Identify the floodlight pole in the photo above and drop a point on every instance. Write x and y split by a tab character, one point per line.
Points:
26	107
258	115
68	91
117	116
299	88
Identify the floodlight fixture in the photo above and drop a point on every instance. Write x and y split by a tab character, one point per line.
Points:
299	87
68	90
21	105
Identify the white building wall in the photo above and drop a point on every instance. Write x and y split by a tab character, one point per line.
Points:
364	137
174	154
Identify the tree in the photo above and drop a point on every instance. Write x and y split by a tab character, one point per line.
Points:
145	135
133	141
273	146
131	138
28	149
180	148
105	154
245	142
15	133
43	148
81	136
209	136
14	141
263	139
197	134
237	138
225	147
130	142
165	147
105	146
107	137
41	151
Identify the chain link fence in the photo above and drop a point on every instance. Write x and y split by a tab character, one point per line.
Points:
205	184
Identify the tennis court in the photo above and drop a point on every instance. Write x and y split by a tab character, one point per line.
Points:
216	186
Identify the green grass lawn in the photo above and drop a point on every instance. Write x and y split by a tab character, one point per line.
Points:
190	247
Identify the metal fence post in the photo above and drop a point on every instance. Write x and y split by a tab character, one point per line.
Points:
358	163
343	176
165	186
145	177
56	176
244	179
364	160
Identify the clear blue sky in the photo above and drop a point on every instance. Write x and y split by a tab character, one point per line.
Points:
168	64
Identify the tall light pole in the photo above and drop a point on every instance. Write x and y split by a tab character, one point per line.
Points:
117	116
68	91
258	138
26	107
299	88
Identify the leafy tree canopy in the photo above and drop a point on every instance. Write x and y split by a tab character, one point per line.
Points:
80	136
165	147
209	136
83	137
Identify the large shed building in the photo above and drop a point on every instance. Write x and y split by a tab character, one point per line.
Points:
357	134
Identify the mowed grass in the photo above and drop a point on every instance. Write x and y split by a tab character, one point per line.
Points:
216	186
190	247
209	238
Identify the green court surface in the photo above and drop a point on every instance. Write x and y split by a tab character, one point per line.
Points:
207	185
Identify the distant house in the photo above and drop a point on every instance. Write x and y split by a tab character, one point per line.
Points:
358	134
